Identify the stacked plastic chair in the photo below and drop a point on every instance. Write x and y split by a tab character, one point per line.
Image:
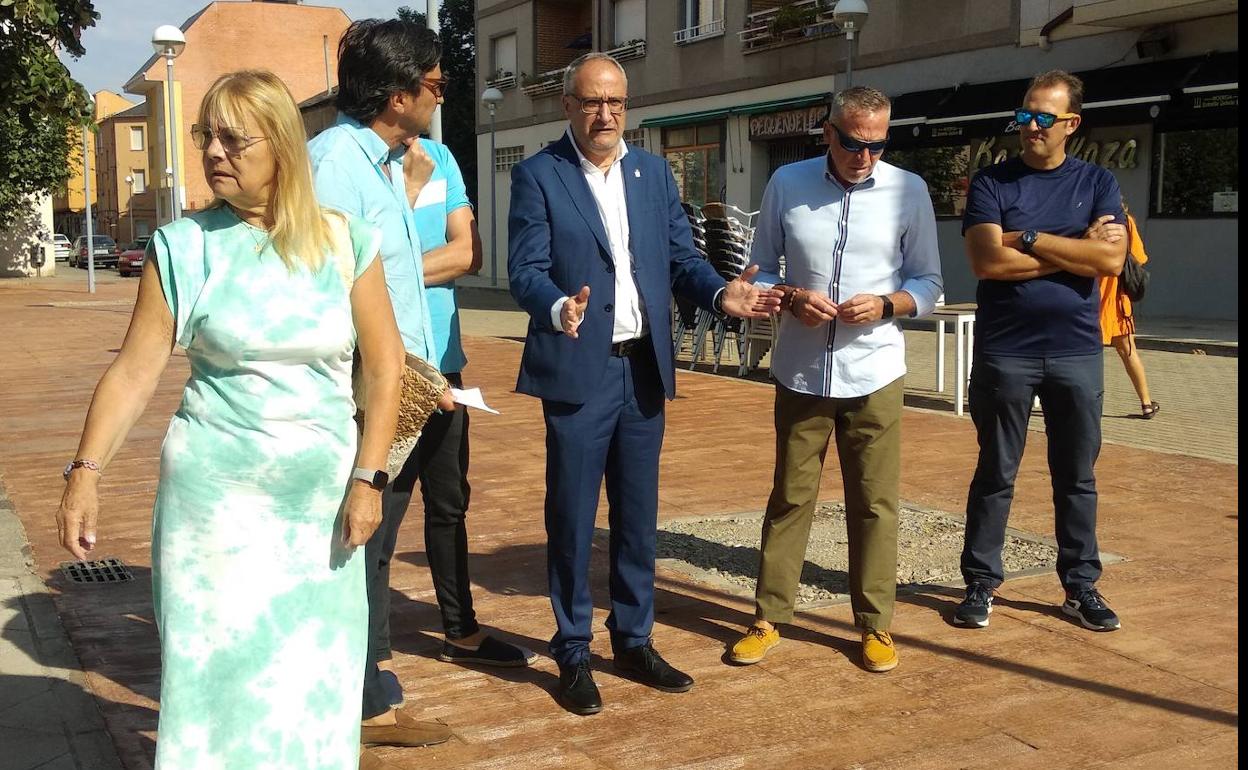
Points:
728	234
685	312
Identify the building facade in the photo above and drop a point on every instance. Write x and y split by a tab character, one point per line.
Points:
728	90
68	204
122	176
297	42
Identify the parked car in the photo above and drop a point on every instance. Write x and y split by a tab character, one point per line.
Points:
130	262
61	247
104	251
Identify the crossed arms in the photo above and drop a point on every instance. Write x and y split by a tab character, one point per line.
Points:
997	255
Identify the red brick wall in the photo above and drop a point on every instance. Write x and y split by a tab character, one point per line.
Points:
554	27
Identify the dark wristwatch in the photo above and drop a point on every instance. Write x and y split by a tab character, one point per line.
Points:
888	307
718	302
374	478
1028	239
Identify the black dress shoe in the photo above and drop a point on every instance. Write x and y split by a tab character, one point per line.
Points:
645	665
577	691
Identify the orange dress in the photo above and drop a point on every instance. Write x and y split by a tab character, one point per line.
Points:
1116	317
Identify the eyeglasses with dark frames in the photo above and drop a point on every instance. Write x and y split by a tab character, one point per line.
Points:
1043	119
593	105
233	140
435	86
850	144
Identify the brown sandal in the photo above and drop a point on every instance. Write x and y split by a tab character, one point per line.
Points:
1149	411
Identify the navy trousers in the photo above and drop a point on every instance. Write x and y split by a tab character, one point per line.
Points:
1071	391
617	434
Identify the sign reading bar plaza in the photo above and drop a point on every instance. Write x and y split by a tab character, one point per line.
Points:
779	125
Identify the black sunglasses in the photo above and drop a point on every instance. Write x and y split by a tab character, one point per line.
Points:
850	144
1043	119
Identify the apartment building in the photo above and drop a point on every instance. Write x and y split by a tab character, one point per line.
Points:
728	90
68	204
297	42
123	209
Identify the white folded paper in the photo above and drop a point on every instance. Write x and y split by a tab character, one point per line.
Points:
471	397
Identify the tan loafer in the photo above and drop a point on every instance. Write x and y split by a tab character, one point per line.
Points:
406	731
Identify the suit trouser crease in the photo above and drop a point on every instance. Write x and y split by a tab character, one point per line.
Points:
617	435
867	431
1071	390
440	464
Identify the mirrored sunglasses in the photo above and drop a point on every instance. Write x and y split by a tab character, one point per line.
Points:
1043	119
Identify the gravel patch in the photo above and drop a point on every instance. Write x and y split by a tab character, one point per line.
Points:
724	550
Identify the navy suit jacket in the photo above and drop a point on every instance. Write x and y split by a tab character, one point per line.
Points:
558	243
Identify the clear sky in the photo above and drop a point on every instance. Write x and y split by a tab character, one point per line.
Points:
120	42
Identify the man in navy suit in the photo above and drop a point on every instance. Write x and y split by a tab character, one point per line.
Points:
598	242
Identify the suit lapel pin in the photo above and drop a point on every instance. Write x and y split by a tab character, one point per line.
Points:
637	173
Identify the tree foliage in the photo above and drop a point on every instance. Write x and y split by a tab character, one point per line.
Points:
459	57
39	102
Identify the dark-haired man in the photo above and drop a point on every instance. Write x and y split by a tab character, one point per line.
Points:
372	164
1038	333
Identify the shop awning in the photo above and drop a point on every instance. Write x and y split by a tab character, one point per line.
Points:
774	105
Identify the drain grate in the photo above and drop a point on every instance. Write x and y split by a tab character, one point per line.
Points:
96	572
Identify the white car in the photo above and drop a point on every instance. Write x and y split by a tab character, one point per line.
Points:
61	247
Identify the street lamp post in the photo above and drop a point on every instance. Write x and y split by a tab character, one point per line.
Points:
86	200
491	98
850	15
129	203
168	41
432	11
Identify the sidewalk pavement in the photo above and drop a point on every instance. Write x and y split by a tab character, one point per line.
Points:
1033	690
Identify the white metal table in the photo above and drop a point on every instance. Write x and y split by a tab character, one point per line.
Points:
962	316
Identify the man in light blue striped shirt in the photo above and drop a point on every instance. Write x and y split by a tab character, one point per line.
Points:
858	238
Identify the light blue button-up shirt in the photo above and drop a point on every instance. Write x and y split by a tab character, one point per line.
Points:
347	161
874	237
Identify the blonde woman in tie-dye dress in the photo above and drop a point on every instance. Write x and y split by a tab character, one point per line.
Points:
259	592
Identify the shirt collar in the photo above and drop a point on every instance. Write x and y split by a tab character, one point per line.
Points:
829	175
372	145
586	163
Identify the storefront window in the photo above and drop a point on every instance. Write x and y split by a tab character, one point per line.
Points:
1196	173
945	169
697	160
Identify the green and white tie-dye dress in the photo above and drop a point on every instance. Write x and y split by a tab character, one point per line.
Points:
262	610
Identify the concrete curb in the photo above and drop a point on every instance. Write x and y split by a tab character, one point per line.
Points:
48	714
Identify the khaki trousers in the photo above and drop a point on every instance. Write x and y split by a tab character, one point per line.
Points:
868	442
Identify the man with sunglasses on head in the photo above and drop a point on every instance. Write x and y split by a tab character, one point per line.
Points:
373	164
858	240
598	243
1038	333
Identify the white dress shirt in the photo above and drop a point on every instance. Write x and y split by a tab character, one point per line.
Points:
875	237
608	191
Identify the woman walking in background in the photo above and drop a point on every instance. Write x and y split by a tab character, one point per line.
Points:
1118	322
258	587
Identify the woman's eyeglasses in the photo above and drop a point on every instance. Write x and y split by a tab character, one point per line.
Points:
233	140
592	106
850	144
1043	119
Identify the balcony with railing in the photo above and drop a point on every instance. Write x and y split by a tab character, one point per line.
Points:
700	32
789	24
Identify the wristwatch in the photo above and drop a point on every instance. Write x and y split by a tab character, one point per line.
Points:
888	307
90	465
718	302
1028	239
374	478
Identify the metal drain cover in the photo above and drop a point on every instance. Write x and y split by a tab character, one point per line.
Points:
96	572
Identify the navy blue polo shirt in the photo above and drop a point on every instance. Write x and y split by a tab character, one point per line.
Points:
1055	315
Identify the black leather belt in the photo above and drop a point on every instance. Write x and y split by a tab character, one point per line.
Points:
626	348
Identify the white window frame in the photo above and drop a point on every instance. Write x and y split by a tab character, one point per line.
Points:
704	29
140	180
136	132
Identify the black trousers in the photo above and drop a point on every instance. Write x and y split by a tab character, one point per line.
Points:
440	464
1071	391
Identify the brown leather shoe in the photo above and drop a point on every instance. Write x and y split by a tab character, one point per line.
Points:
370	761
406	731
